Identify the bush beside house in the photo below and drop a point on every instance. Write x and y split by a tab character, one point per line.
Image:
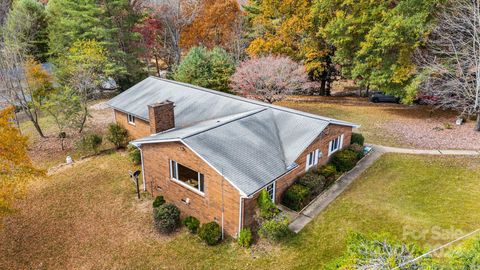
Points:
192	224
211	233
166	217
308	186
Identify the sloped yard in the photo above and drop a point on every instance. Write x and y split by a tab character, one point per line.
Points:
394	124
87	217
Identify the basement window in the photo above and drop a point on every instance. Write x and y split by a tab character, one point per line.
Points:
131	119
187	177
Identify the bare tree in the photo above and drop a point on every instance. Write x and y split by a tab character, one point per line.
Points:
451	59
269	78
4	7
14	87
175	15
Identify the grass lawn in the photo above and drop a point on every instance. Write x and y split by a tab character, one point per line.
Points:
87	217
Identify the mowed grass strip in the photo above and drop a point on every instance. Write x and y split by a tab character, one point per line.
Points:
87	217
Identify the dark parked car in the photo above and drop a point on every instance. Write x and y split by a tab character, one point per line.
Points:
378	96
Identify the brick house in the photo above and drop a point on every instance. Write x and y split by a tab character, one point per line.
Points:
211	153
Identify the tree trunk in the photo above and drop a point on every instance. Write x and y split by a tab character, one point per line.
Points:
477	126
328	88
368	90
37	127
157	66
84	120
322	88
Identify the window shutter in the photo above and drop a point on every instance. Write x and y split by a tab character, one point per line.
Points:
329	148
341	142
315	161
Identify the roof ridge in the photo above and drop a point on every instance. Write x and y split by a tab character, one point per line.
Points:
277	133
259	103
240	116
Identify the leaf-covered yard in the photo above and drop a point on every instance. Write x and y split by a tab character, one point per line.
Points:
394	124
87	217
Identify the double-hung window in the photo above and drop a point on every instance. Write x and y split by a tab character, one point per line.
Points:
271	191
335	145
131	119
187	177
312	159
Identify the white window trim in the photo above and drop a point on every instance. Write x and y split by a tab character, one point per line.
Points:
186	185
129	118
274	184
316	156
340	145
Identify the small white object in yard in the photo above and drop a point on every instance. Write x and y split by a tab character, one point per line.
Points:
459	121
69	160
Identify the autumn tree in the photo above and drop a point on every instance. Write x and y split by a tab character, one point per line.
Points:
176	16
288	28
65	107
217	25
83	69
374	41
269	78
206	68
153	42
15	165
16	48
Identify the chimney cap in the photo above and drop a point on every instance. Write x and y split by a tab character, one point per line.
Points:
157	104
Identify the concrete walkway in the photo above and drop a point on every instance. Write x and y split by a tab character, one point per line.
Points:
323	200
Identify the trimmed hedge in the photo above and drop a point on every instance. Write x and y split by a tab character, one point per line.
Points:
245	237
192	224
345	160
211	233
357	138
314	181
159	200
296	196
357	149
329	171
167	217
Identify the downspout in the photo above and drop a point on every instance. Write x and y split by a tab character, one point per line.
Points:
143	169
240	216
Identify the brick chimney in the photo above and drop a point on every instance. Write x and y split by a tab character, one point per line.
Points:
161	116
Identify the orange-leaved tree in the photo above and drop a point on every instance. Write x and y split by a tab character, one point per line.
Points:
16	167
217	24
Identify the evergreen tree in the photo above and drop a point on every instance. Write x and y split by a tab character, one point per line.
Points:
210	69
25	28
109	22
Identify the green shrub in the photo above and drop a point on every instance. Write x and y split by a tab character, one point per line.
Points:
313	181
345	160
245	237
167	217
90	142
357	138
357	149
159	200
211	233
295	197
275	229
191	223
117	135
329	171
267	208
134	154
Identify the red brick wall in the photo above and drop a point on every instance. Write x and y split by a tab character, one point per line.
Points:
322	143
206	208
139	130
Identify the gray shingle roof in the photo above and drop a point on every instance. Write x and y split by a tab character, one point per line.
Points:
251	143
